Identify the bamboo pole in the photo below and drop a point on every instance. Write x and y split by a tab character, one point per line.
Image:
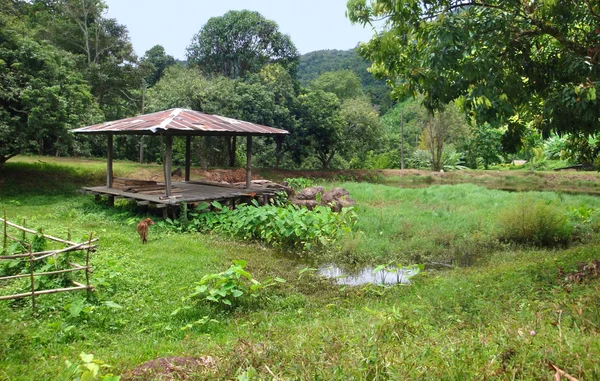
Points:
87	265
44	292
5	240
31	259
72	248
24	229
40	274
39	253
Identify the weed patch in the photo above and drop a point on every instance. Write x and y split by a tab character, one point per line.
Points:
534	223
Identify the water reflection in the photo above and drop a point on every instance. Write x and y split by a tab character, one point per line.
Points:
387	276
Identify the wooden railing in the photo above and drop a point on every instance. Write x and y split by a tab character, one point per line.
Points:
32	257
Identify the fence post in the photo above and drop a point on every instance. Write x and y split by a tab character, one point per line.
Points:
32	278
87	265
5	234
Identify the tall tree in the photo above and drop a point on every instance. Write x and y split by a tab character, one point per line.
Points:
105	53
513	63
362	129
345	84
445	127
157	61
321	124
42	96
241	42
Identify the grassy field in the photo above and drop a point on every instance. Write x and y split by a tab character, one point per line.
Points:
511	315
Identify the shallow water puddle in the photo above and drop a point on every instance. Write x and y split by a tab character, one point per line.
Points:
388	275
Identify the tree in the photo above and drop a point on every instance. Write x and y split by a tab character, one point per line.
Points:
316	63
42	96
443	128
156	62
362	129
321	124
241	42
275	78
345	84
513	63
105	54
486	145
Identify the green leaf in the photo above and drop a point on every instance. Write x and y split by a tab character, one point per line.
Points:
86	358
112	304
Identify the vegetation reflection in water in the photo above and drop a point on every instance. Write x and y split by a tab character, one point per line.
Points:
383	275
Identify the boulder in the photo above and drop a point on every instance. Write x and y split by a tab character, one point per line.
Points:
310	193
309	204
334	194
336	198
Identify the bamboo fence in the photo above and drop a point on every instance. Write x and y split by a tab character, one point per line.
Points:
32	257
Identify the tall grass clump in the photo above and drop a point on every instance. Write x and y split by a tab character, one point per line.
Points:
535	223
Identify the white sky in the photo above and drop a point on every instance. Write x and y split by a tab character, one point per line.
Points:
311	24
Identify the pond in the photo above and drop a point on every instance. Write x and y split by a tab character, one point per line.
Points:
382	276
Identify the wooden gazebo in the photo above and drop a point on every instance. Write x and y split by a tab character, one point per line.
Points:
178	122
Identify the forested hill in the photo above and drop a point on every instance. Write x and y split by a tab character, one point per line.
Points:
316	63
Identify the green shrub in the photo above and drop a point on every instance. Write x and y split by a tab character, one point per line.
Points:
298	183
231	285
534	223
289	226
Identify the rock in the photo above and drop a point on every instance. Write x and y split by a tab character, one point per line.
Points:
337	198
309	204
310	193
334	194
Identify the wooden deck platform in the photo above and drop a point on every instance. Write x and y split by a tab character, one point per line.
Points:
187	193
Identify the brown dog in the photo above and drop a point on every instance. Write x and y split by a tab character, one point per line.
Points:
142	229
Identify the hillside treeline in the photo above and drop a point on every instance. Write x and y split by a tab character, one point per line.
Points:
64	65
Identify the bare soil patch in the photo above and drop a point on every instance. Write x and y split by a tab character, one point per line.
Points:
172	368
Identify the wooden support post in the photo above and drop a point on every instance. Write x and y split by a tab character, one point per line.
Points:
109	162
111	201
168	162
248	161
188	157
32	279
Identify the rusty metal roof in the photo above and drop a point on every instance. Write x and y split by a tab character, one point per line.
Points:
179	121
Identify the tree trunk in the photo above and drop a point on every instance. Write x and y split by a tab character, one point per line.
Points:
231	145
278	150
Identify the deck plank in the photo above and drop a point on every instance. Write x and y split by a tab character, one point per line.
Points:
190	193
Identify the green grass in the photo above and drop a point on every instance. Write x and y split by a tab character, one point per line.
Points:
450	223
468	323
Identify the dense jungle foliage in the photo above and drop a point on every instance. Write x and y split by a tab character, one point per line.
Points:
64	64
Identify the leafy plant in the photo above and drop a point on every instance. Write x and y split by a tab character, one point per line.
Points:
289	226
229	286
298	183
87	369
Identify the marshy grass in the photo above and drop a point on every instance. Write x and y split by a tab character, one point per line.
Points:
457	224
507	318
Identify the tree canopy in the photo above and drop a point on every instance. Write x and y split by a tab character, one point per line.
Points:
42	95
241	42
515	63
155	61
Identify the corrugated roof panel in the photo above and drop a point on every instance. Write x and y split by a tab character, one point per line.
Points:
180	121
